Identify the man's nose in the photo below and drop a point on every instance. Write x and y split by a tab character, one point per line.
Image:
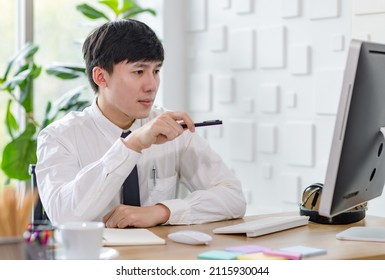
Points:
151	82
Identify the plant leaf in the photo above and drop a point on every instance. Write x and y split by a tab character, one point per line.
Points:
66	72
26	95
46	120
16	80
28	51
112	4
10	120
127	4
91	12
135	11
69	101
26	87
19	153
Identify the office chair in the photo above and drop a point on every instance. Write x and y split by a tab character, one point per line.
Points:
39	216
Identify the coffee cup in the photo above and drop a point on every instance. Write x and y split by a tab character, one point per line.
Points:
81	240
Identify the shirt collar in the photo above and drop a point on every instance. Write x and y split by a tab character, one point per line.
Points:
109	129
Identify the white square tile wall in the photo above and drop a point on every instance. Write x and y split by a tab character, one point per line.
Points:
323	9
269	98
300	59
271	47
241	140
291	8
299	143
243	6
197	15
275	139
200	89
242	45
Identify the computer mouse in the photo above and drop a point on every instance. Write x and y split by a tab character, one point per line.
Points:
191	237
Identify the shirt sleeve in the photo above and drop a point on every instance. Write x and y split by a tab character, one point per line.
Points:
215	192
64	183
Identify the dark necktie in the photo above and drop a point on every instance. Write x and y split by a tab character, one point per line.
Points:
131	185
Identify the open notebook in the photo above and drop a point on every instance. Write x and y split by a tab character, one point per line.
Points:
130	236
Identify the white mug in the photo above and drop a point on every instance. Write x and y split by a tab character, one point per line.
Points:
82	240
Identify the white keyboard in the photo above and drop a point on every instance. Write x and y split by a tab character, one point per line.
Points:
264	225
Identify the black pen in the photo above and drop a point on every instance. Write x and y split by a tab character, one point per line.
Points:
205	123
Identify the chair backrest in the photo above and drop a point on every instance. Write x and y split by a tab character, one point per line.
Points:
38	213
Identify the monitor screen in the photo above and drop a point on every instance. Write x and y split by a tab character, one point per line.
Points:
356	169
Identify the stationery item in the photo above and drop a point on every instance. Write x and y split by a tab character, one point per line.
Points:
305	251
218	255
15	211
259	256
286	255
15	214
81	240
264	225
130	236
205	123
154	174
40	242
247	249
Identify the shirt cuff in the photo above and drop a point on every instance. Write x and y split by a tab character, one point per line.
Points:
179	211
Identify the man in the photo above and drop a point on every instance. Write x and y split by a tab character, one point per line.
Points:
83	161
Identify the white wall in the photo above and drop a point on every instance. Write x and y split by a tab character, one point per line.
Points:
272	71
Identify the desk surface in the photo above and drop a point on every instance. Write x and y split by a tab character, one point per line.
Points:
314	235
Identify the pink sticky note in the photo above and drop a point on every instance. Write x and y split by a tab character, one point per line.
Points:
247	249
288	255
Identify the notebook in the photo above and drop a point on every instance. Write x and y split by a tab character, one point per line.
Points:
130	236
264	225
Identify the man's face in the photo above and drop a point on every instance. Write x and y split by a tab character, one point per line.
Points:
130	91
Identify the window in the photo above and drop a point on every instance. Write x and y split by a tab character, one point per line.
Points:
59	31
7	50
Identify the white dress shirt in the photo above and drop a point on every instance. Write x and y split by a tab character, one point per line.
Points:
82	164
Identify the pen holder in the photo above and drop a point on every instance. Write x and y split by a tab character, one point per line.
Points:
12	248
40	242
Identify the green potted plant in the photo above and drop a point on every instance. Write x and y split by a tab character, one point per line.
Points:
17	82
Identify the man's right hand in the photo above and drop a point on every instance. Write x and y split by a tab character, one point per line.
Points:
165	127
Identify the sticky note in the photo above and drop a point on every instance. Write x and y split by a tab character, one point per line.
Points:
285	254
218	255
305	251
247	249
259	256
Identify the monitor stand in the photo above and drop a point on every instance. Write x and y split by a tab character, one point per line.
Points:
374	234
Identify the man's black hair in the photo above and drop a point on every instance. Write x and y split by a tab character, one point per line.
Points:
118	41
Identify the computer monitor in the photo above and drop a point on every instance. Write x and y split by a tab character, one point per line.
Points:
356	169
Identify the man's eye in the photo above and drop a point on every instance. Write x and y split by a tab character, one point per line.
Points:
139	72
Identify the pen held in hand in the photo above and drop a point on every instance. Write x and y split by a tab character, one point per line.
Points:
205	123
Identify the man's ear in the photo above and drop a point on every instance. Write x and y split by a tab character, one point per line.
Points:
100	76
